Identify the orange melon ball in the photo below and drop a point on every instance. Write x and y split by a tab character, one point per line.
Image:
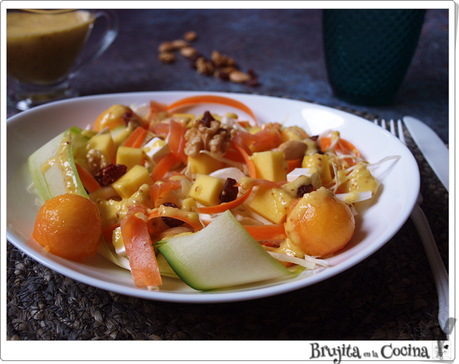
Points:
69	226
320	224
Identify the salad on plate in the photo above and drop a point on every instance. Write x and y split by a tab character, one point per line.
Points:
212	199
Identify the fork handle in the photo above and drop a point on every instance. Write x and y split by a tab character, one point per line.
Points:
436	264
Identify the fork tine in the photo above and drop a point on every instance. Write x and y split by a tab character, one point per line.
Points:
400	131
392	127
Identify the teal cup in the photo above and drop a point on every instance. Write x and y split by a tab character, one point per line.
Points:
368	51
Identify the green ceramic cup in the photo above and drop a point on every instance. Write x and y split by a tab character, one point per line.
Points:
368	51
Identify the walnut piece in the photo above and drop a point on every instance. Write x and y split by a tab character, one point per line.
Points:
205	66
96	160
207	135
221	60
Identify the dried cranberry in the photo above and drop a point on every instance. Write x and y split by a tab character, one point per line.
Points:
223	75
109	174
170	221
230	191
127	116
251	73
302	190
253	82
207	118
253	78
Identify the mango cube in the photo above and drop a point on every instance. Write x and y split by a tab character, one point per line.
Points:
272	203
206	190
293	133
204	164
129	156
104	143
296	188
319	161
270	165
130	182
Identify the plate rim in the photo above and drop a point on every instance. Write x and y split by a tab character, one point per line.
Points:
203	297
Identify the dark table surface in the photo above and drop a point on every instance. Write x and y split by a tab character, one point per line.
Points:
390	295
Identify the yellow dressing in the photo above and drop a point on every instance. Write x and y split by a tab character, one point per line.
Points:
360	179
42	48
63	163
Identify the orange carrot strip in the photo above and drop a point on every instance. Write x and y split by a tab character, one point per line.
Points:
244	124
136	138
155	109
294	163
343	145
266	232
234	155
163	166
325	142
348	145
161	129
247	159
176	214
244	139
213	99
139	249
177	141
265	139
89	182
157	189
226	205
108	232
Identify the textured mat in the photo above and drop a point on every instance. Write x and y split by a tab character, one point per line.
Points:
390	295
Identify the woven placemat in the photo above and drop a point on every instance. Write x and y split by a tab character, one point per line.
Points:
389	296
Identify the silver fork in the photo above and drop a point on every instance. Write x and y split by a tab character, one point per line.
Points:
422	225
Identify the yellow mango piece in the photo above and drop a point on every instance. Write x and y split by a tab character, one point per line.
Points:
206	190
319	161
204	164
121	133
270	165
272	203
360	180
293	133
110	211
302	181
104	143
129	156
254	129
130	182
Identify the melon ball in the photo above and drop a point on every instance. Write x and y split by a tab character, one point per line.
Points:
319	223
69	226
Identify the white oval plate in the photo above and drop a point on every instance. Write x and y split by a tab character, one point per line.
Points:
29	130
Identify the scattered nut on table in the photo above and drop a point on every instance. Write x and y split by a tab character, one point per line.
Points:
204	66
190	36
220	65
188	52
221	60
238	76
179	43
167	57
166	47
